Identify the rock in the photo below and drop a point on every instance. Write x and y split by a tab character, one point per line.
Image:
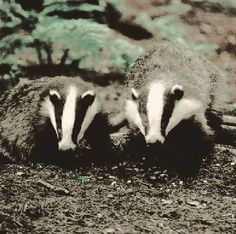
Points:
110	196
231	39
206	28
166	202
193	203
109	231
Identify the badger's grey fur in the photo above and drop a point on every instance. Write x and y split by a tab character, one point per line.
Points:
42	116
171	84
110	119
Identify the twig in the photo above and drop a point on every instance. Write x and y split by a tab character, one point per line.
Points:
229	120
14	220
53	188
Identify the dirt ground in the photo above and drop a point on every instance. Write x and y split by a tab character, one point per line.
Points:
125	197
129	196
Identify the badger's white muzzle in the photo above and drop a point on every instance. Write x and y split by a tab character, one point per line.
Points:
66	145
155	107
68	120
153	138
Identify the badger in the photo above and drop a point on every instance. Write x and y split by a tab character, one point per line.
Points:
172	91
40	118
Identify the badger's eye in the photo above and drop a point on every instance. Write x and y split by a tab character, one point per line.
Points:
54	96
177	92
88	97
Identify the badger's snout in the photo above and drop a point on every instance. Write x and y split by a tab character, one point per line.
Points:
67	154
154	138
66	146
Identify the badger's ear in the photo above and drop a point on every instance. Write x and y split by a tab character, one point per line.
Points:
135	94
177	91
88	97
54	96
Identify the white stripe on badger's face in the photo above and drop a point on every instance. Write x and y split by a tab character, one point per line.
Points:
184	109
132	114
49	110
155	107
90	114
68	120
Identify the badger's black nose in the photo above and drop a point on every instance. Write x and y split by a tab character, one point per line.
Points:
67	152
157	144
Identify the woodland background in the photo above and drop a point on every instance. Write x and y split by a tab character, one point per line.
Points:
69	37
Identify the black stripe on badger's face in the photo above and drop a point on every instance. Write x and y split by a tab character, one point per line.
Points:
48	108
58	103
82	115
171	96
167	112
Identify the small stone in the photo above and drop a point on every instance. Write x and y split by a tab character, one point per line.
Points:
153	177
205	28
193	203
129	181
113	183
129	191
109	231
89	223
231	39
110	196
204	192
161	225
20	173
181	182
166	202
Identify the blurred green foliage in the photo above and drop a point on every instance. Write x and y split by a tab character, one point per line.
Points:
58	40
90	34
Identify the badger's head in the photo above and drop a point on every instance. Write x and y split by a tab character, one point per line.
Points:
159	108
70	111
